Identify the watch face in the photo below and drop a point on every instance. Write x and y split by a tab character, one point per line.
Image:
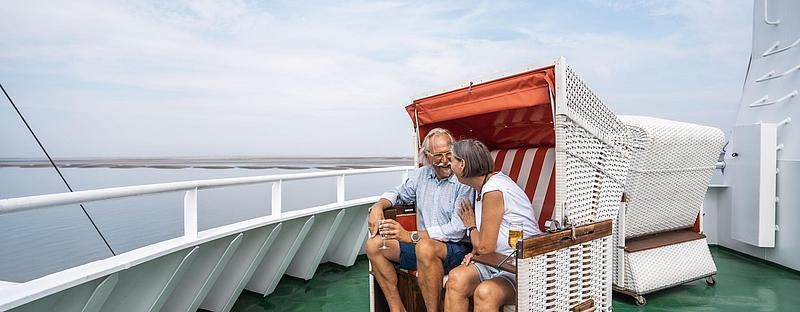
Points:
414	236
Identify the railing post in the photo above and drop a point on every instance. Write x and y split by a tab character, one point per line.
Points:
340	189
190	214
276	198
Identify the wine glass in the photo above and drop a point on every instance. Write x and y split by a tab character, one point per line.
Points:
383	236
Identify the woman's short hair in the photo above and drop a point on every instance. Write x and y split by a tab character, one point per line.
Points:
426	144
476	155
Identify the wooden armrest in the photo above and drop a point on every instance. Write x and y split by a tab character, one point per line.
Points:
542	244
492	259
661	239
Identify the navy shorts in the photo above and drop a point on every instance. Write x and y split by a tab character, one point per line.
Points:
455	254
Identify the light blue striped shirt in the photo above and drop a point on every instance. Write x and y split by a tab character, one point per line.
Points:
436	201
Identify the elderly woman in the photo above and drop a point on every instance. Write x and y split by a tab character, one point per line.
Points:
499	202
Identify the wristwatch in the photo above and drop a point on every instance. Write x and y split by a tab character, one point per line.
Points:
414	237
469	230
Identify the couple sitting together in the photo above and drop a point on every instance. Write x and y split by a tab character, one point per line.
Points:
464	208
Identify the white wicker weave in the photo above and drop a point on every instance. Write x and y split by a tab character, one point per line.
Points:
560	279
654	269
671	166
592	158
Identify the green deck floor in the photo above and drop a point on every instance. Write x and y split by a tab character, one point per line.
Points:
743	284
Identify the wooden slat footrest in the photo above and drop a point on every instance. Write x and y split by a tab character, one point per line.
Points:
586	306
661	239
542	244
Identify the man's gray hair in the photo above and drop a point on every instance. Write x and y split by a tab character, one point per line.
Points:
426	143
476	155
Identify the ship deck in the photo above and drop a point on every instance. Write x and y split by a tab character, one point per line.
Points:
743	284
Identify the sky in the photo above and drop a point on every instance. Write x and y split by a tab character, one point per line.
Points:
331	78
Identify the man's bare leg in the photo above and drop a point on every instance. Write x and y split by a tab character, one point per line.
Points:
383	269
430	255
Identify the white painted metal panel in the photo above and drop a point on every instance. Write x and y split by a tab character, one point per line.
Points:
87	297
201	275
313	247
751	163
142	287
101	294
350	236
6	285
174	279
279	255
240	268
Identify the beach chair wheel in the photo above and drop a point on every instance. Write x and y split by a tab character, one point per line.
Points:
640	301
711	281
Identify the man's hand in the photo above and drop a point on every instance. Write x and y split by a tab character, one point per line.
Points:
393	230
374	218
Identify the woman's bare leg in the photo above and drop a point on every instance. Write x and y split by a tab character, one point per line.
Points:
461	282
492	294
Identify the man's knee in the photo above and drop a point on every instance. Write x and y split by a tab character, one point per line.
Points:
373	245
428	250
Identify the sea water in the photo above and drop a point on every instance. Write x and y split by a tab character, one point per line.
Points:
42	241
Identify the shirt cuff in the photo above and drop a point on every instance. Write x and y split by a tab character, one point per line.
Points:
435	232
391	197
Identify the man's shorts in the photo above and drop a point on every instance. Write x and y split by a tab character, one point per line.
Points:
487	272
455	253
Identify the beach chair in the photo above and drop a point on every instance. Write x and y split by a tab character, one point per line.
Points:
658	239
569	152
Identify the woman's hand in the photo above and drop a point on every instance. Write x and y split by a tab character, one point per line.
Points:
467	259
466	212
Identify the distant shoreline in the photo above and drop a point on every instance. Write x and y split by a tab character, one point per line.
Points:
328	163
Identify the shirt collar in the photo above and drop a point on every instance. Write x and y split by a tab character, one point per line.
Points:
432	174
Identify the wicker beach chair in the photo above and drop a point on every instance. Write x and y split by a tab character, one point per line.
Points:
551	134
570	270
658	243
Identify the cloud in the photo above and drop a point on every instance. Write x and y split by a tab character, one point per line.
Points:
278	78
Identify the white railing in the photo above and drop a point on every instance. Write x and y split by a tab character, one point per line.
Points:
191	188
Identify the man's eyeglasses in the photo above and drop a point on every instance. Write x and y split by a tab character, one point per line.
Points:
441	155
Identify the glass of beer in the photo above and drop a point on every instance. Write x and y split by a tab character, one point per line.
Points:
514	233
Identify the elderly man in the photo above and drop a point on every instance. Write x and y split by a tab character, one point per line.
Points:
436	247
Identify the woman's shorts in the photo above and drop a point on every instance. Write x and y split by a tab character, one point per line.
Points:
487	272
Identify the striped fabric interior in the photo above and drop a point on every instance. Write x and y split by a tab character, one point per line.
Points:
533	170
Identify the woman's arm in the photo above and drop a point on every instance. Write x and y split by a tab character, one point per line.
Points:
485	240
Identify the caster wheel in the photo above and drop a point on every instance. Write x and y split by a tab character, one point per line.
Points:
711	281
640	301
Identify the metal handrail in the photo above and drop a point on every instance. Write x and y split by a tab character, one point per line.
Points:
191	188
761	103
771	74
774	48
766	15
